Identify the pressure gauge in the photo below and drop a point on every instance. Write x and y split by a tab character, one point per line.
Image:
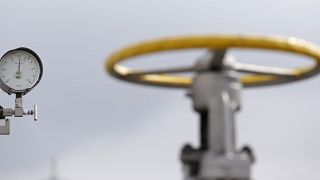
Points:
20	71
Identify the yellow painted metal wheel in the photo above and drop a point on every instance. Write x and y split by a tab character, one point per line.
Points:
292	45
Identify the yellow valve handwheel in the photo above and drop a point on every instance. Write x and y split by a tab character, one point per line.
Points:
292	45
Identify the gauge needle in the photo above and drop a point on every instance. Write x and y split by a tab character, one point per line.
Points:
18	74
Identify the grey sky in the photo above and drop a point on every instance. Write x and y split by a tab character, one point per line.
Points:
101	128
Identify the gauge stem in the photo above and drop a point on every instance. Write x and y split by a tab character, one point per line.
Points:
18	110
18	101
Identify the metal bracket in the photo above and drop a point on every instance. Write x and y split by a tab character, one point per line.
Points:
4	126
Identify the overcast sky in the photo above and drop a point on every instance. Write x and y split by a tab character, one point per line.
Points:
100	128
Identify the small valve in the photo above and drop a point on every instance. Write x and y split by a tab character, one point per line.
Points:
33	112
16	112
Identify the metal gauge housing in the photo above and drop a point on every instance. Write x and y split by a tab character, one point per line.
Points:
20	71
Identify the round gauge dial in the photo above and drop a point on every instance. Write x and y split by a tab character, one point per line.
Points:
20	70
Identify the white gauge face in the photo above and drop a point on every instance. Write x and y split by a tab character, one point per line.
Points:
20	70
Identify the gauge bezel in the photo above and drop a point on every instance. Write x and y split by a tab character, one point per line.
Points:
9	90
